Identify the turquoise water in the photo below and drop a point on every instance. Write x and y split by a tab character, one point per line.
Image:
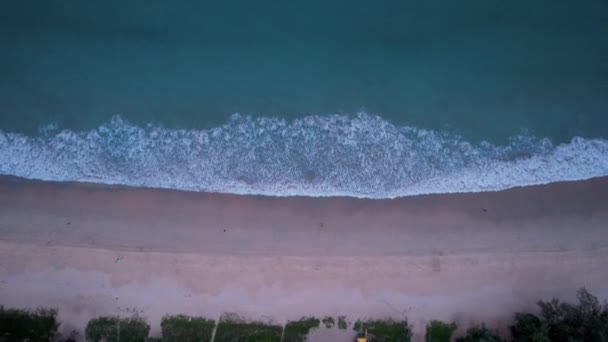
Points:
356	98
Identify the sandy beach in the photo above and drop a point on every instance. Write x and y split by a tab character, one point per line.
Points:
89	250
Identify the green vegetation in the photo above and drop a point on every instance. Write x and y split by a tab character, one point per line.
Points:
387	330
186	328
108	329
529	328
438	331
296	331
329	322
232	328
585	321
24	325
479	334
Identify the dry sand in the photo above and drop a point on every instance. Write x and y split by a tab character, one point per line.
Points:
90	250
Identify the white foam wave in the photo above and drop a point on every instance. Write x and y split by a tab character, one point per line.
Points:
335	155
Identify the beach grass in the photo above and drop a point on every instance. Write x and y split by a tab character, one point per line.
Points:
342	324
186	328
231	328
385	330
296	331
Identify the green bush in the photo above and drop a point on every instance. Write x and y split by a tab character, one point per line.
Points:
529	328
586	321
387	330
106	328
438	331
296	331
342	325
329	322
479	334
186	328
232	328
24	325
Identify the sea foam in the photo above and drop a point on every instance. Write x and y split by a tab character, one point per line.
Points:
332	155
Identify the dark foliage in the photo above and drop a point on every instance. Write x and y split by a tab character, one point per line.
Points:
385	330
438	331
479	334
106	328
529	328
585	321
186	328
296	331
232	328
23	325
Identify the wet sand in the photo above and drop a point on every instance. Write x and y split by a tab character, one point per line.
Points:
91	249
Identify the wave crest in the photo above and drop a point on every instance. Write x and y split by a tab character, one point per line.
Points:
333	155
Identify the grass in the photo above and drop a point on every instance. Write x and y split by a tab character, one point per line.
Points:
232	328
438	331
24	325
186	328
329	322
385	330
105	328
342	323
296	331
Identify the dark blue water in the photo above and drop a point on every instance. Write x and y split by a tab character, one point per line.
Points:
357	98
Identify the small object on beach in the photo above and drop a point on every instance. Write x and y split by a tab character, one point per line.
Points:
484	209
119	259
224	230
321	224
68	223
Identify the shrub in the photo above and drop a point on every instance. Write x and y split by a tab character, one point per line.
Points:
231	328
329	322
479	334
587	321
529	328
24	325
342	323
387	330
186	328
106	328
437	331
296	331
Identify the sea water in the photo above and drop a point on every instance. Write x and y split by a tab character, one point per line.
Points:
318	98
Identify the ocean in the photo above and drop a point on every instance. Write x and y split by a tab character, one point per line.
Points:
319	98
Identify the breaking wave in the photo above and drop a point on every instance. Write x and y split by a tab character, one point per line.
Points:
333	155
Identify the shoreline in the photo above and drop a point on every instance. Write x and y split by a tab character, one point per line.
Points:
463	257
108	186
